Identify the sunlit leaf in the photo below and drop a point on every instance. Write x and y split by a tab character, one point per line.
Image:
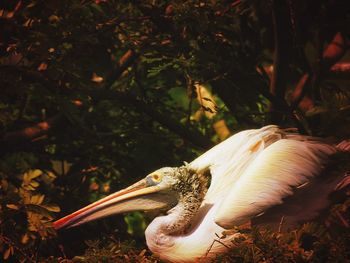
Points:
12	206
48	177
37	199
10	251
7	253
52	208
95	78
221	129
4	184
34	184
54	19
25	239
34	174
42	67
94	186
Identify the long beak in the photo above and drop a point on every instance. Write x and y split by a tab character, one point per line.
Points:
138	196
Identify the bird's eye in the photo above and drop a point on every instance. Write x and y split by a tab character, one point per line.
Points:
154	179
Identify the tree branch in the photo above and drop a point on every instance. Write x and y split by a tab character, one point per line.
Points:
31	75
191	135
124	62
30	133
282	28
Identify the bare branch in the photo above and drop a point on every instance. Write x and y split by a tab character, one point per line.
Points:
124	62
30	133
282	29
142	106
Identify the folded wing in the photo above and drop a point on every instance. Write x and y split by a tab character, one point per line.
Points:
272	176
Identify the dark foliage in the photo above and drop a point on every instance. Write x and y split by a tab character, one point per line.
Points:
96	94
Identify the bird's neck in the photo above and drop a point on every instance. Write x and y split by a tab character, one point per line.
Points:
175	223
164	230
178	219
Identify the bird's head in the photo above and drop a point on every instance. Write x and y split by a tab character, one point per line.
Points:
160	190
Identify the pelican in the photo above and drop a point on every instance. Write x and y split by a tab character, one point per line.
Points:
252	175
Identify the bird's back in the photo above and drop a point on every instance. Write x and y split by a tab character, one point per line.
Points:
256	170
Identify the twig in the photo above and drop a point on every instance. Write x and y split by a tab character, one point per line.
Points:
9	242
280	224
212	244
124	62
34	76
342	219
190	90
192	136
23	106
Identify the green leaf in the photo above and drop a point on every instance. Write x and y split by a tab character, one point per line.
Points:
136	223
97	8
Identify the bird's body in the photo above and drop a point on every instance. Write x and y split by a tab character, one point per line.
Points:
252	172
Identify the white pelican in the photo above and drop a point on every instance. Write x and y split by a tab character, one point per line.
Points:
252	172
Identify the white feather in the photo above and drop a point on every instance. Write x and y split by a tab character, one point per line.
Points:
271	177
229	159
